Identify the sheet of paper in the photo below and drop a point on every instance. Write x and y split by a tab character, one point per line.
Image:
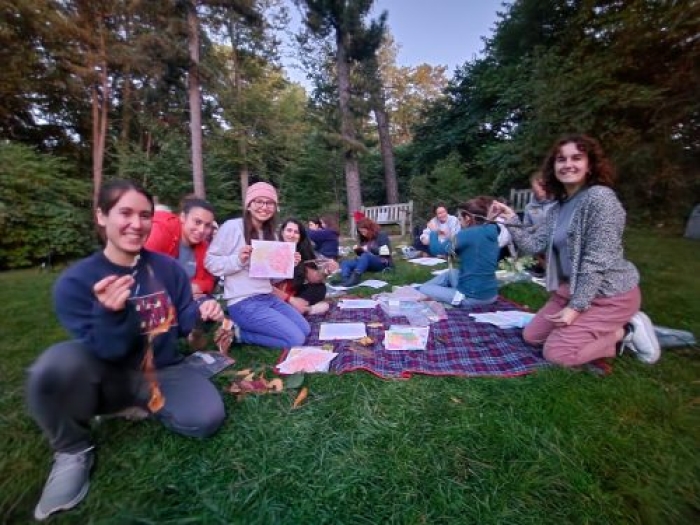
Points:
306	359
504	318
336	331
427	261
406	337
356	304
372	283
272	260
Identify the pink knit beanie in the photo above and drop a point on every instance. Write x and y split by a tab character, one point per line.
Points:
260	189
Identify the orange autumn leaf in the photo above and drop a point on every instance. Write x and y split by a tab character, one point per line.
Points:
301	397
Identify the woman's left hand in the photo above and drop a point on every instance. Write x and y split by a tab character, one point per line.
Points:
564	317
210	310
297	258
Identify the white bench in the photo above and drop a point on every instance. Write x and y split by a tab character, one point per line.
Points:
519	199
401	214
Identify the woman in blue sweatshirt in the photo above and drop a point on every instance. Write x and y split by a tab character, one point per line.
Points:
476	245
125	307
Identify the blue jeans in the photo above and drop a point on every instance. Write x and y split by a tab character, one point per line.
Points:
443	288
266	320
365	262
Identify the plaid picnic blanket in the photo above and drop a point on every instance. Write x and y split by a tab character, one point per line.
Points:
457	346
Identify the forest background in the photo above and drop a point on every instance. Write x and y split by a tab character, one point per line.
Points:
190	96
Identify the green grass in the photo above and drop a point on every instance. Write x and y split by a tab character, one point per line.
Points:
556	447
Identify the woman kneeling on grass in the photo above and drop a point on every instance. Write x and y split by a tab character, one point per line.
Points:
126	307
263	318
476	245
595	297
306	291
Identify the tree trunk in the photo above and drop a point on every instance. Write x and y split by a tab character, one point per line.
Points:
193	86
100	106
392	186
352	171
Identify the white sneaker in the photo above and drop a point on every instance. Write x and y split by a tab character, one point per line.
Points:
641	339
67	485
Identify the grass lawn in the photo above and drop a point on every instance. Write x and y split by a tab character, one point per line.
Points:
556	447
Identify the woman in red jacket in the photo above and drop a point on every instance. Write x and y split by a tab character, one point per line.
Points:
185	238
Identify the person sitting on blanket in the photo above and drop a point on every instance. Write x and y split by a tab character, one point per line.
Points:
594	304
447	227
126	308
261	316
185	237
325	237
307	289
476	245
373	253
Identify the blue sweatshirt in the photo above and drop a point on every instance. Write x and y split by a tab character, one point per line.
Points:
161	287
325	241
477	249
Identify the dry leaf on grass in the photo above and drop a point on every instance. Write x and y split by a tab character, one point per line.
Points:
301	397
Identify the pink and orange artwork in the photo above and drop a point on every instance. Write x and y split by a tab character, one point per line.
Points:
272	260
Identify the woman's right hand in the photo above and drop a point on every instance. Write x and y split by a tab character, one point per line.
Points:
244	254
112	292
498	209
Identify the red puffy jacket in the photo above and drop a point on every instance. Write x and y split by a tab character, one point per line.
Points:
165	238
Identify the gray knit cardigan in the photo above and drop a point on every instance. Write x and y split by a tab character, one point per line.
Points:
598	266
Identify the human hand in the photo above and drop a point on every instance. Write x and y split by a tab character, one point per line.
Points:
297	258
210	310
244	254
498	209
564	317
432	225
112	292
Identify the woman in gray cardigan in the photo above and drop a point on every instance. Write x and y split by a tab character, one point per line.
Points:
595	298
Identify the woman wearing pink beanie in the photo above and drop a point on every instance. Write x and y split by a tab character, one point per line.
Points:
263	318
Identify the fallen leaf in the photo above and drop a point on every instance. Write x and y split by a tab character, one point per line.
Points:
455	400
301	396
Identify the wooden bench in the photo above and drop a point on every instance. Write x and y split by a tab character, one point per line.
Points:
519	199
401	214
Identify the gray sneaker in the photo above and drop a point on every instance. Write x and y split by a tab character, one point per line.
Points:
68	483
641	339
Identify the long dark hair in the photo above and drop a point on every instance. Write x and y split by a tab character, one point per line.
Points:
600	170
269	227
305	249
109	195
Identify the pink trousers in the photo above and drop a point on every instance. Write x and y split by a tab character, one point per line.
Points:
591	336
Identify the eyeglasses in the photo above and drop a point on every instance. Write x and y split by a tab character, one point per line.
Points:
263	204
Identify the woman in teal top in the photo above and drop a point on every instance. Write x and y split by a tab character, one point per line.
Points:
476	245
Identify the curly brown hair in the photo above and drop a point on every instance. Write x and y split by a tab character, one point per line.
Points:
601	171
371	227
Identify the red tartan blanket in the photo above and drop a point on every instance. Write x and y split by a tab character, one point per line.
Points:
457	346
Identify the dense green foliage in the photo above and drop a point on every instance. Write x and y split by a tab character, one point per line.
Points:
557	447
43	209
625	72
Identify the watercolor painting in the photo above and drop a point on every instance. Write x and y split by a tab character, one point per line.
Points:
272	260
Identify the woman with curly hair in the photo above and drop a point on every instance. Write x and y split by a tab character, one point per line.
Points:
373	253
595	298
